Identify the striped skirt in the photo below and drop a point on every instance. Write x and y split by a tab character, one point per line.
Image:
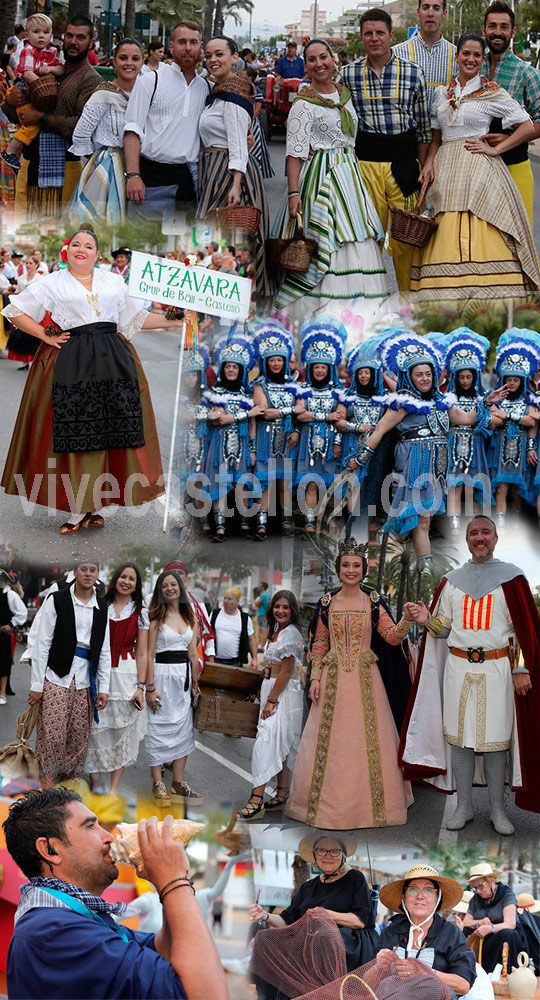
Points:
215	182
100	194
339	214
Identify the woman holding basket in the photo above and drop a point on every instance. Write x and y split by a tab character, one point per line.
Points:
328	190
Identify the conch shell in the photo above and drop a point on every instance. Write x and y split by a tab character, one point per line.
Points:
126	851
234	840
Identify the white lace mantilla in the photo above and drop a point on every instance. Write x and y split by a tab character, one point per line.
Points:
312	127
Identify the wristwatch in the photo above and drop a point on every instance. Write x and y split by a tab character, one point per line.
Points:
133	173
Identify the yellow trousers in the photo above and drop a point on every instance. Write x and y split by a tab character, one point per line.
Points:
524	178
26	133
73	172
387	195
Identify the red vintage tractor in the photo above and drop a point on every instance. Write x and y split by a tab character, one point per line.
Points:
277	103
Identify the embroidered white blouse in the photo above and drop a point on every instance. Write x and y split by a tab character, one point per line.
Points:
473	117
70	304
288	643
312	127
101	123
224	125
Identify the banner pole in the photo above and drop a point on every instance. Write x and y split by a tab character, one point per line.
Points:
175	419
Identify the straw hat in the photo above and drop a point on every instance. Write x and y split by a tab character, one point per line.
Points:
306	845
463	905
483	870
391	894
526	901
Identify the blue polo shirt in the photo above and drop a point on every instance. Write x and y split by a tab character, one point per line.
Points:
289	70
56	954
263	605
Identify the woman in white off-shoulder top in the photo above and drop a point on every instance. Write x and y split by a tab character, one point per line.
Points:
281	706
85	435
483	246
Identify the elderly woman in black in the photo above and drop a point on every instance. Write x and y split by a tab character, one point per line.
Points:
337	893
493	917
420	932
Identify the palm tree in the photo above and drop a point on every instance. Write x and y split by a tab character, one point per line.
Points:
129	19
229	8
208	19
169	12
8	13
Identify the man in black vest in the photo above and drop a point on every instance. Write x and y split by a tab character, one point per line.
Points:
70	674
235	638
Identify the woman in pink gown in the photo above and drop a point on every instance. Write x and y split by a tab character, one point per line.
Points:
346	774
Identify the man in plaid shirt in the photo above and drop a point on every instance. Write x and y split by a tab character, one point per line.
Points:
390	97
521	81
427	47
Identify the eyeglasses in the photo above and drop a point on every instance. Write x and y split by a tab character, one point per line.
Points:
480	885
415	891
328	852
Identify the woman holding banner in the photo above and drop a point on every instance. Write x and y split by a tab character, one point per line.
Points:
85	435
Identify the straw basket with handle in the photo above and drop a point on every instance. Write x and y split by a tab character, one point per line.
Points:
409	227
44	92
244	217
297	254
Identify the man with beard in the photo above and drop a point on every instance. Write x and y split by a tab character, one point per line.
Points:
47	184
473	696
427	47
521	81
66	941
161	132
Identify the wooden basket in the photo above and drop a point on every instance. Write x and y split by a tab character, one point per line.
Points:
244	217
44	92
222	711
408	227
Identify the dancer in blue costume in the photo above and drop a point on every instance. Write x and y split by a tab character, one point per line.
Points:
359	415
510	453
468	469
276	391
231	414
192	434
319	449
422	416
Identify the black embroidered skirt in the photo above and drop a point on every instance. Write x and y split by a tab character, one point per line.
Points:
96	398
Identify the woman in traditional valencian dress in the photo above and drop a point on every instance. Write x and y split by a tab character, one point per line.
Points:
468	469
192	431
359	694
98	136
326	186
483	246
114	742
319	443
228	175
85	435
276	391
231	416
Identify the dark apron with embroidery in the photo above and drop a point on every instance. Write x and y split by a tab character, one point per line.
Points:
96	398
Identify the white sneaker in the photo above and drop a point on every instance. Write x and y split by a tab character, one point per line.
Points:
3	701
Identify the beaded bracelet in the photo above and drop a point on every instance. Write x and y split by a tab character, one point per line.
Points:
179	885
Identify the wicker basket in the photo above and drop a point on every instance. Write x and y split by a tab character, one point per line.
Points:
44	92
298	253
244	217
408	227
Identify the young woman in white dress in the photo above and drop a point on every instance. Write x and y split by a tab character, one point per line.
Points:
114	742
171	686
280	716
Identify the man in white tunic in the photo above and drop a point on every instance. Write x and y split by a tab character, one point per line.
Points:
478	675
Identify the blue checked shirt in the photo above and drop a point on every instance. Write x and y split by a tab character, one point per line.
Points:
520	79
437	61
393	103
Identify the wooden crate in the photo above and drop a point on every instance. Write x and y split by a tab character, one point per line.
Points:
221	711
228	678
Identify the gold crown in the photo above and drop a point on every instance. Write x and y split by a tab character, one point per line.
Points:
350	547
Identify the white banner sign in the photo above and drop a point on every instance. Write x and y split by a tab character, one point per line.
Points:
197	288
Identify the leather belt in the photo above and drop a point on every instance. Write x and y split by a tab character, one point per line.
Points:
476	654
272	671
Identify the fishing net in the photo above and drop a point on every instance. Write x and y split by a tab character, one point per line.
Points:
380	981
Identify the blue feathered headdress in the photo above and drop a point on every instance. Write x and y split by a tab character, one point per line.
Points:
402	350
520	357
235	348
323	341
366	355
197	361
467	351
271	340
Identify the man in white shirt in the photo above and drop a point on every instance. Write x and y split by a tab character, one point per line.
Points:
235	637
71	668
161	132
12	613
